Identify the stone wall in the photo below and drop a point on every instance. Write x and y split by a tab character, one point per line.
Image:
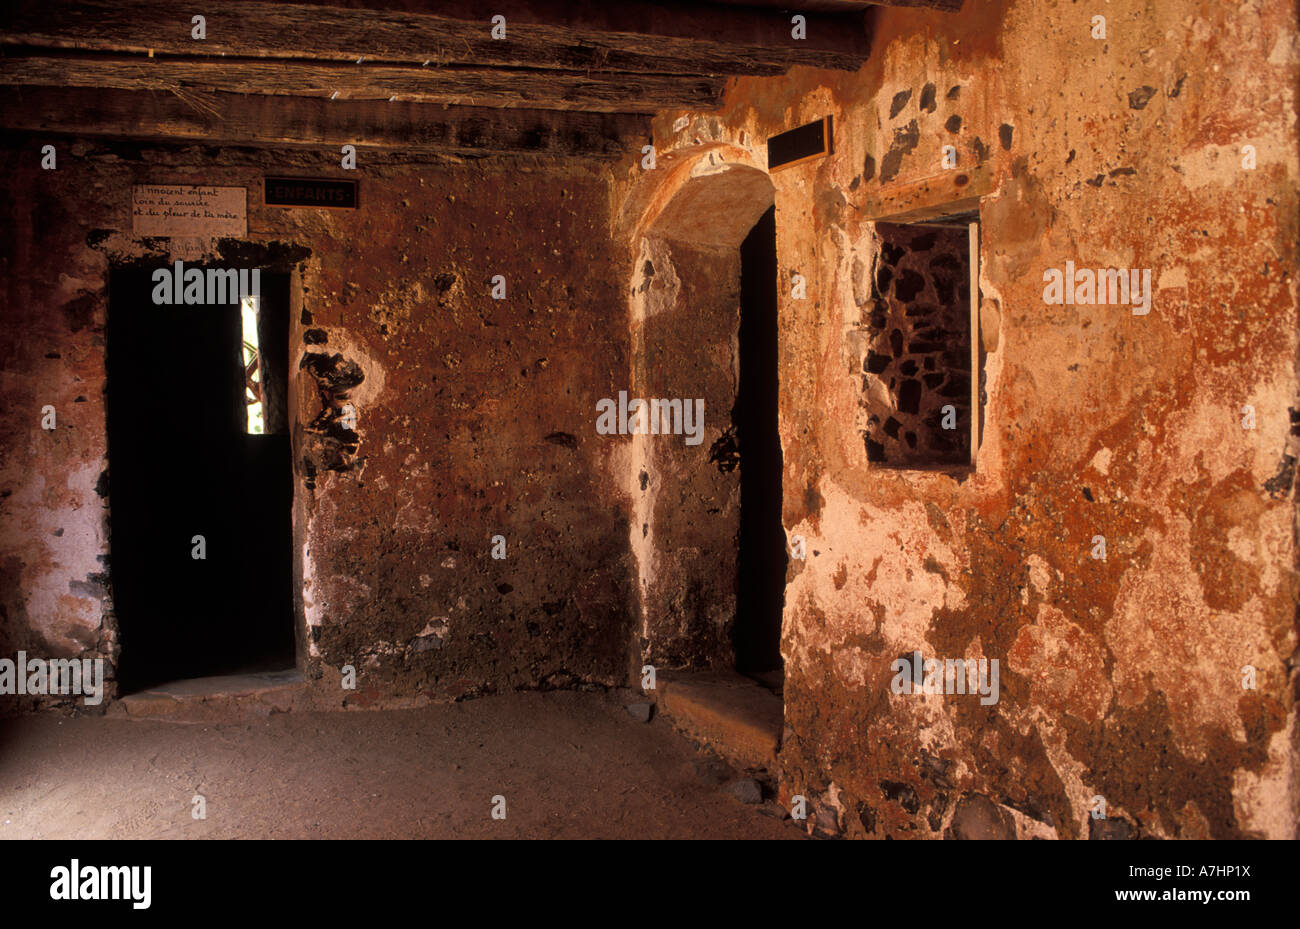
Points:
474	417
1121	677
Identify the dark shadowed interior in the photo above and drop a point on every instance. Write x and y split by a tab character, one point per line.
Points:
760	575
183	465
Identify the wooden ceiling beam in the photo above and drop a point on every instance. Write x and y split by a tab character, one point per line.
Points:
947	6
625	35
561	90
296	122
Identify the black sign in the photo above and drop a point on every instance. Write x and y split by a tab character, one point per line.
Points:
311	191
798	145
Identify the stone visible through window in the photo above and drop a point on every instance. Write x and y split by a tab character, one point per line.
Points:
916	368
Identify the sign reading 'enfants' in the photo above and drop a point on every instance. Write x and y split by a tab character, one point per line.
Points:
176	211
312	192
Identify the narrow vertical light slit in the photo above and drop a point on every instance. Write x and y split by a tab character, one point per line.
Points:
252	367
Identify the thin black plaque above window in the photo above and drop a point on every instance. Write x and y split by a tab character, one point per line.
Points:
799	145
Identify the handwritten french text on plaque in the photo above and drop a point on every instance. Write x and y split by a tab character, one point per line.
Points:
181	211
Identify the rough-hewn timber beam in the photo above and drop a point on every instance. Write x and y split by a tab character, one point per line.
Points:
217	119
626	35
948	6
544	89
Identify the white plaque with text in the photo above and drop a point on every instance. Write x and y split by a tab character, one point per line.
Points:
185	212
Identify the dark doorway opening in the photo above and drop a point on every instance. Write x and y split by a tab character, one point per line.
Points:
186	460
760	593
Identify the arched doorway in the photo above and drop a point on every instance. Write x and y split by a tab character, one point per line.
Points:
707	517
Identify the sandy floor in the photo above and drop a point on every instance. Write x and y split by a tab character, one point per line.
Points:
570	765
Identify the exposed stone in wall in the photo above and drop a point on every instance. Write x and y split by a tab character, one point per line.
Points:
333	441
917	361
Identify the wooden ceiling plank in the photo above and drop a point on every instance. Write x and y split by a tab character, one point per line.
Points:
695	39
633	93
946	6
270	121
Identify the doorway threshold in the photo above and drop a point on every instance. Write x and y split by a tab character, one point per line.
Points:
737	717
772	680
208	699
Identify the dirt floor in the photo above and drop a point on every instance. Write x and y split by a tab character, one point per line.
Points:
570	765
